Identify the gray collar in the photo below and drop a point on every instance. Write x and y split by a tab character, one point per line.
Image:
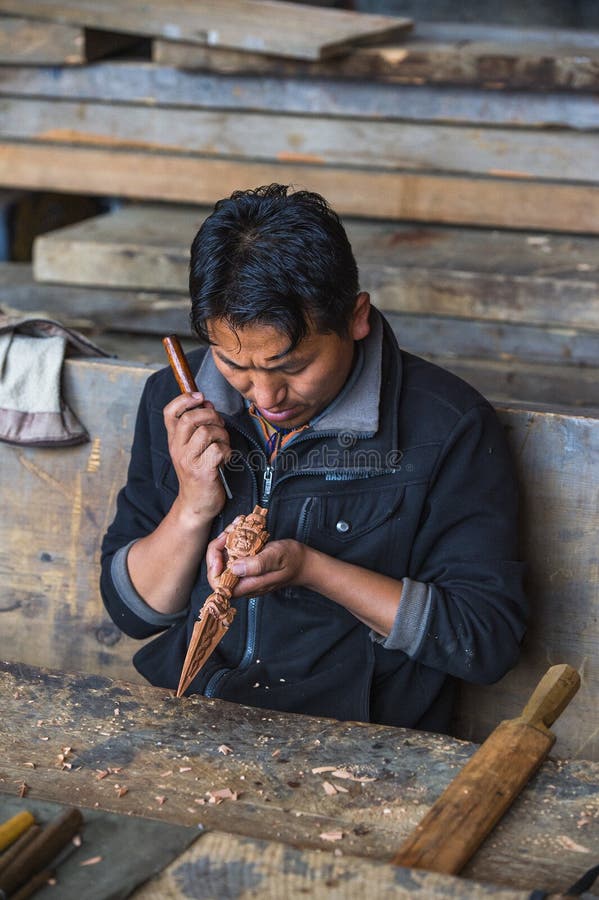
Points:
356	407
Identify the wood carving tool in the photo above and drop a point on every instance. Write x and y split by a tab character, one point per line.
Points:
41	851
14	827
472	804
247	538
186	383
18	846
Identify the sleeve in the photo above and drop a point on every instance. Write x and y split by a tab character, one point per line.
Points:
140	508
463	609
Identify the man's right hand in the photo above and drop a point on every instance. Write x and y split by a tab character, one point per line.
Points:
198	443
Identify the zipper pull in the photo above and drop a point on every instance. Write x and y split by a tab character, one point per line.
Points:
267	484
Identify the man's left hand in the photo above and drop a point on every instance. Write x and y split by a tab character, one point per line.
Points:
278	564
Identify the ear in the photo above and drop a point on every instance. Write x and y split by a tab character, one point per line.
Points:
360	324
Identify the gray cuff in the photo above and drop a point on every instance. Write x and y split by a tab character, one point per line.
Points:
411	620
126	591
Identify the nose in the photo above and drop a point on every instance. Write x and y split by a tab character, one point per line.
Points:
269	390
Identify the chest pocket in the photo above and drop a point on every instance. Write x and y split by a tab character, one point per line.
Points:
358	525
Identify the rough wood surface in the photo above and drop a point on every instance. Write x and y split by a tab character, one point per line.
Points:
28	41
561	155
288	29
380	194
230	866
456	53
166	754
502	202
60	505
539	279
149	85
98	311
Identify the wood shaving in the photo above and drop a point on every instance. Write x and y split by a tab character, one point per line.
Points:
101	773
199	800
331	835
329	788
222	794
276	753
30	765
160	800
568	844
92	861
320	769
76	840
345	773
224	749
23	788
121	790
185	769
166	774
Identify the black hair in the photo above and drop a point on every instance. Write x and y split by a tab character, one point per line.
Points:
272	257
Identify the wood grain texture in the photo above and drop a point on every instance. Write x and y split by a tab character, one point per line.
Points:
28	41
256	136
375	194
225	864
540	279
167	748
493	57
480	794
288	29
149	85
60	505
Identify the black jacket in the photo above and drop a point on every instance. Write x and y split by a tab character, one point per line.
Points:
408	475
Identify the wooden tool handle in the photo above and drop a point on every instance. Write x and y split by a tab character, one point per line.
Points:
187	384
551	696
13	828
41	850
19	845
472	804
179	364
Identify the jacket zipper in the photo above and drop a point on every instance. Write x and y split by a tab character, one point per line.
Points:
254	602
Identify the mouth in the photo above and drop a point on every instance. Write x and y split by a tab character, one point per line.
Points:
280	415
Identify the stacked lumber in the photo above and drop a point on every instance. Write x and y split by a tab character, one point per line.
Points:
463	158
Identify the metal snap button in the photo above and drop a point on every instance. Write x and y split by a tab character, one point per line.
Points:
342	526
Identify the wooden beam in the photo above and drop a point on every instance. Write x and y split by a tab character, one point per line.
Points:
546	280
450	53
256	136
288	29
151	85
508	203
28	41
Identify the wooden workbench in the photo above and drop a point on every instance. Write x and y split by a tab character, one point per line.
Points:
172	755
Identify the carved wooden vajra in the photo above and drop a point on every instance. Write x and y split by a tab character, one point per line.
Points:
247	538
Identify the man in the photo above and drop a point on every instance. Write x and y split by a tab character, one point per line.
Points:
392	568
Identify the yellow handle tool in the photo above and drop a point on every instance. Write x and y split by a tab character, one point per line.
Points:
13	828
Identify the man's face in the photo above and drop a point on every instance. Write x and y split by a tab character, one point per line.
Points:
288	387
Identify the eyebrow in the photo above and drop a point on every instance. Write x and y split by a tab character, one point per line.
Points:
277	356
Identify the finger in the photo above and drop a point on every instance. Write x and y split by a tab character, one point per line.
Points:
253	566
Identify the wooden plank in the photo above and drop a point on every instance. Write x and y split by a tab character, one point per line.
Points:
437	53
386	195
263	26
28	41
540	279
558	464
560	155
229	863
169	748
50	559
148	84
97	311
